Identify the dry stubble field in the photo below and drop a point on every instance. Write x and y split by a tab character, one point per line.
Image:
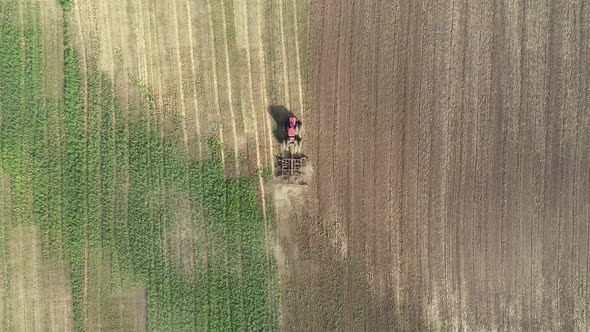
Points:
451	149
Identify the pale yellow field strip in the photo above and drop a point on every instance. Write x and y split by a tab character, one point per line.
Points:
146	77
229	87
298	58
284	58
194	76
255	123
265	102
156	77
150	76
142	65
24	266
106	41
120	56
252	104
215	81
180	76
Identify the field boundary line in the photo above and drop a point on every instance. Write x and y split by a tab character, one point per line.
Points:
180	80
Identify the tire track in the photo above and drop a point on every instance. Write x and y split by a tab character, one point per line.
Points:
142	65
298	59
109	41
179	67
259	166
251	102
127	110
194	76
264	86
252	107
156	83
229	87
215	81
284	59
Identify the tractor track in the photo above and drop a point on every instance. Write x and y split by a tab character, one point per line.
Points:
194	76
284	58
264	85
252	106
214	83
230	98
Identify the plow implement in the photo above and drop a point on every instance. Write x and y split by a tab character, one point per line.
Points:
290	168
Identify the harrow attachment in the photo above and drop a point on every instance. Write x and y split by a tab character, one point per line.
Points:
291	168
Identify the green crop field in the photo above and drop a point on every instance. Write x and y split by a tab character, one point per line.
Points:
107	221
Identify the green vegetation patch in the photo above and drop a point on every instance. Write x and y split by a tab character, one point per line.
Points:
96	182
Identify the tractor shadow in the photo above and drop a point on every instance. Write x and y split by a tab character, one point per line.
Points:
281	115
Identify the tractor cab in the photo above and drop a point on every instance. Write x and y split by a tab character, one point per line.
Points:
293	139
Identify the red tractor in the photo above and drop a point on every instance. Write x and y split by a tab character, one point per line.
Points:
293	141
291	161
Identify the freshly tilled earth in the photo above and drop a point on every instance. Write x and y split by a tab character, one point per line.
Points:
450	143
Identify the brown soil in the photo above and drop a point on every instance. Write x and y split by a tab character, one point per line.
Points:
450	147
40	293
132	310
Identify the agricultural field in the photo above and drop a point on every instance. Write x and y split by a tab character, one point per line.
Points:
450	142
449	148
136	149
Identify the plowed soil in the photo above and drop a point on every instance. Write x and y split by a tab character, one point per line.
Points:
451	151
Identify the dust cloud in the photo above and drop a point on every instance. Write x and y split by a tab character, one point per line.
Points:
286	194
